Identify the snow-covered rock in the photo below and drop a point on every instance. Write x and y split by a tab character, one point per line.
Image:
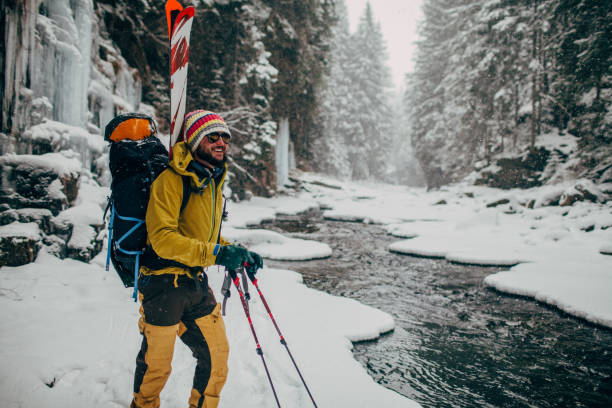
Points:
47	181
19	243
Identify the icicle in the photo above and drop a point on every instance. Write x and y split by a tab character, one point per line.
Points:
282	153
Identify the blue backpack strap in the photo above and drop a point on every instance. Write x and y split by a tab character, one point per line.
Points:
110	230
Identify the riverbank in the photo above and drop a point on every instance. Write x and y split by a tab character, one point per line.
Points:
559	255
69	334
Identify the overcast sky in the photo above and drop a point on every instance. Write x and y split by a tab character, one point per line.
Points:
398	19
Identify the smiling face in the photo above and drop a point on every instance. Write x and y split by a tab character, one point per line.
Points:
214	153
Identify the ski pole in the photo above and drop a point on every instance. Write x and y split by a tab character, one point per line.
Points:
282	339
245	285
236	279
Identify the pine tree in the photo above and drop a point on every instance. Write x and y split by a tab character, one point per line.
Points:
582	82
372	144
433	119
297	36
336	124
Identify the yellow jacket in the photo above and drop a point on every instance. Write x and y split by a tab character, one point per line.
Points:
189	237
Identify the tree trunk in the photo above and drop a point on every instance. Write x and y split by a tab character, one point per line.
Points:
516	114
534	84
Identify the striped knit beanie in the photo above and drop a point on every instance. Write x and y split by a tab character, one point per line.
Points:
200	123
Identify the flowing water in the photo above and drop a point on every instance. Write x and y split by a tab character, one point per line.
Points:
456	342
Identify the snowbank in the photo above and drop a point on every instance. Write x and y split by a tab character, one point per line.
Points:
272	245
258	209
562	254
580	288
69	334
70	338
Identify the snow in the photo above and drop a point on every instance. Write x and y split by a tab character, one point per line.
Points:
70	336
259	209
55	190
72	325
28	230
505	24
61	135
86	213
273	245
270	244
580	287
82	217
558	255
57	162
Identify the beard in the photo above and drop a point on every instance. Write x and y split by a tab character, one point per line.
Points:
208	158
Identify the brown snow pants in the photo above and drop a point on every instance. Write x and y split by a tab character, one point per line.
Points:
185	307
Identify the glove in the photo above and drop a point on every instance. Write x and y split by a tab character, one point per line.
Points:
232	256
253	263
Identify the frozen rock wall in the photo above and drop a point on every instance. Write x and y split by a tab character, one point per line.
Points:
18	38
282	152
62	80
61	59
58	66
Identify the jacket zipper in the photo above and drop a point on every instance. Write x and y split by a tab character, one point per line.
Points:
214	206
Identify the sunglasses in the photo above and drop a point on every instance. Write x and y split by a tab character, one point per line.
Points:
213	137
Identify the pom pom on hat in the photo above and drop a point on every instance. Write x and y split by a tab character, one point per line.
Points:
200	123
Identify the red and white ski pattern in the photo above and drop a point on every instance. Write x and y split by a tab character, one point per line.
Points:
179	63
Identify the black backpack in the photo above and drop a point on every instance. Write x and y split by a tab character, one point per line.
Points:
136	158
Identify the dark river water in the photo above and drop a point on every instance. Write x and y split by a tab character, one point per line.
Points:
456	342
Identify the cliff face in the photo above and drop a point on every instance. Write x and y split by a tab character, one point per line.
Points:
81	62
68	67
62	80
58	68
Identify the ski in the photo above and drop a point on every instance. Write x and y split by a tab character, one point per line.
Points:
179	30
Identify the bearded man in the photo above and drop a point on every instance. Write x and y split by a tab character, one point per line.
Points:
173	287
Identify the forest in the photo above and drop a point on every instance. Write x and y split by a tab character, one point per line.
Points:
487	170
490	78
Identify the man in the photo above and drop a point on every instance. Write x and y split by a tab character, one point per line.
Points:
173	288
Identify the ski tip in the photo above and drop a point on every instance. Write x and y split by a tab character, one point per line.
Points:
185	16
190	11
173	8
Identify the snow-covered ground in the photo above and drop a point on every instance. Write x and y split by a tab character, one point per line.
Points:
69	335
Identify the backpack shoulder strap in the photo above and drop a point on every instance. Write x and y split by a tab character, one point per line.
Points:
186	191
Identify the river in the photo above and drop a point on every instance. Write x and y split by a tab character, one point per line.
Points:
456	343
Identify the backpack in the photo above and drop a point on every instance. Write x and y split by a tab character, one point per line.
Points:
136	157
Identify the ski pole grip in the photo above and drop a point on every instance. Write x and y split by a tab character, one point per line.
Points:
225	288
